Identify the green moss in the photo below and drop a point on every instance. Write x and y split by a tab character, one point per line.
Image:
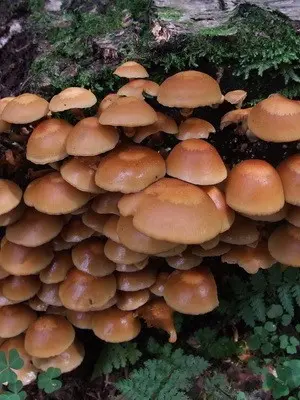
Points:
168	13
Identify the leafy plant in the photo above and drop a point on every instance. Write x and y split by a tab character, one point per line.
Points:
217	387
48	381
15	392
8	364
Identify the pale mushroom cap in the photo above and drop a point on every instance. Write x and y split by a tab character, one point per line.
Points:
234	117
134	281
130	301
20	288
12	216
289	172
106	102
48	293
243	231
84	292
72	97
75	231
116	326
81	320
275	119
89	138
110	228
284	245
189	89
49	336
106	203
219	250
191	292
47	142
164	123
185	261
51	194
128	203
196	161
10	196
128	112
57	270
4	126
20	260
165	200
34	228
254	187
25	108
15	319
67	361
195	128
88	256
120	254
137	87
159	286
235	96
131	69
175	251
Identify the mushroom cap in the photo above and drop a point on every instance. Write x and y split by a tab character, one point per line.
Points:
57	270
132	267
293	216
12	216
134	281
34	228
106	102
275	217
137	87
4	126
110	228
20	288
60	244
95	221
131	69
72	97
137	241
106	203
195	128
175	251
120	254
196	161
80	173
83	292
49	336
284	245
165	200
81	320
185	261
275	119
88	256
158	287
289	172
191	292
15	319
51	194
210	244
28	373
227	215
20	260
116	326
219	250
67	361
189	89
130	301
164	123
37	304
47	142
89	138
243	231
48	293
128	203
254	187
235	96
10	196
235	117
25	108
75	231
128	112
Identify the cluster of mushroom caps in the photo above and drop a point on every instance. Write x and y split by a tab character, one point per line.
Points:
116	233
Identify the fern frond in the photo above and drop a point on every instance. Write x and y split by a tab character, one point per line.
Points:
296	293
258	306
286	298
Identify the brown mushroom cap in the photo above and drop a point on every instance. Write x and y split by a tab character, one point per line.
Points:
132	267
47	142
67	361
235	97
189	89
275	119
164	201
116	326
81	320
129	301
48	293
158	287
175	251
106	203
25	108
275	217
51	194
284	245
191	292
95	221
217	251
88	256
106	102
210	244
289	172
20	288
10	196
131	69
137	87
57	270
142	167
72	97
185	261
34	228
243	231
254	188
28	373
37	304
128	203
60	244
12	216
15	319
196	161
134	281
195	128
120	254
293	216
75	231
20	260
235	117
49	336
4	126
128	112
110	228
164	123
84	292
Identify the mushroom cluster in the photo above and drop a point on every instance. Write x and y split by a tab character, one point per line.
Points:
117	232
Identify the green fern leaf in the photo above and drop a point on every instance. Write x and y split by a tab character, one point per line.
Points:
247	314
296	293
286	298
258	282
274	275
258	306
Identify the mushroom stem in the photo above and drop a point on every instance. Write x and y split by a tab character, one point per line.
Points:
173	336
186	112
129	132
78	113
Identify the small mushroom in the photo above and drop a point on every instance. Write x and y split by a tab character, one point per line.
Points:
106	102
20	288
158	287
236	117
4	126
106	203
120	254
110	228
57	270
37	304
81	320
75	231
72	98
219	250
137	87
164	123
132	267
48	293
293	216
10	196
134	281
242	232
195	128
289	172
95	221
284	245
12	216
128	203
130	70
130	301
15	319
236	97
185	261
210	244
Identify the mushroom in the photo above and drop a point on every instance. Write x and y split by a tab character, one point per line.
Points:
20	288
95	221
49	336
195	128
164	123
289	172
37	304
10	196
128	203
134	281
83	292
75	231
106	102
284	245
219	250
236	97
120	254
4	126
60	244
236	117
81	320
130	301
48	293
275	217
196	161
254	188
175	251
137	87
116	326
88	256
191	292
293	216
15	319
210	244
158	287
110	228
243	231
185	261
130	70
132	267
72	98
12	216
57	270
106	203
47	142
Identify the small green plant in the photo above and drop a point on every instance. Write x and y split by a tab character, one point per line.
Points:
8	364
217	387
48	381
